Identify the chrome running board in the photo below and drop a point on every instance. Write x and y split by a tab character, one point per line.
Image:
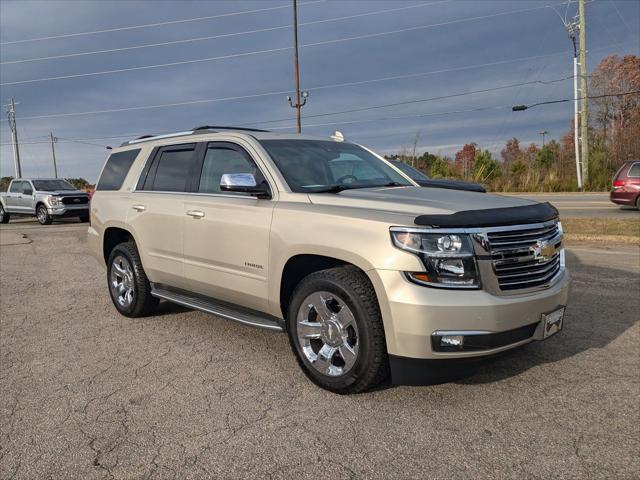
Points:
219	308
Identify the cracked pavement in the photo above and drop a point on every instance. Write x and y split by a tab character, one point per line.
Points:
86	393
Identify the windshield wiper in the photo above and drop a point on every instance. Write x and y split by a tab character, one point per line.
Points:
329	188
337	188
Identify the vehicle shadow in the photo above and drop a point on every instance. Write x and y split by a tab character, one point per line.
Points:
600	310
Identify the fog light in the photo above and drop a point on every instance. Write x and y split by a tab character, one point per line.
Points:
456	341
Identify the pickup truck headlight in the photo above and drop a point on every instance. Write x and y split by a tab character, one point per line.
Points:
55	201
448	258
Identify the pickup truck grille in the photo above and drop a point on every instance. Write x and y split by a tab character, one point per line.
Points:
77	200
526	257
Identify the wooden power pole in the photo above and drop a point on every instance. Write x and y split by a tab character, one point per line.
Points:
583	91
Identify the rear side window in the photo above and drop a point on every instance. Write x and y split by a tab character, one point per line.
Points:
634	171
171	169
116	169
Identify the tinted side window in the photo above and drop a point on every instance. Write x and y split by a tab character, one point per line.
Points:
634	171
16	187
171	170
221	159
116	169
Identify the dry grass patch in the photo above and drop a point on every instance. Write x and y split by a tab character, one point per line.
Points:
602	229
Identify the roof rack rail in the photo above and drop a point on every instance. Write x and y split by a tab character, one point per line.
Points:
193	131
210	127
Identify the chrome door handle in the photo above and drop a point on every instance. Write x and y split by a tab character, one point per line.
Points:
195	213
138	208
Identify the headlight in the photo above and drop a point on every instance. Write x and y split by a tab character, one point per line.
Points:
448	258
55	200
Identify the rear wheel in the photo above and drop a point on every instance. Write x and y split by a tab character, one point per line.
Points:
43	215
335	329
128	284
4	216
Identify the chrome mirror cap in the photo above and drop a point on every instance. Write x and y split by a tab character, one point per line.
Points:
230	180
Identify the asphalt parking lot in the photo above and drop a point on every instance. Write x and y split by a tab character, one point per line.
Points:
86	393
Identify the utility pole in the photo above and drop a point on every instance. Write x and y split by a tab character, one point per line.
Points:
572	30
543	133
304	95
583	90
53	153
11	115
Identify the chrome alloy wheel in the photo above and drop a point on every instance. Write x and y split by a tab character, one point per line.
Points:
121	281
1	213
41	214
327	333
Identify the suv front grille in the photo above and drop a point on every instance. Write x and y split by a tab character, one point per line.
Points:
526	257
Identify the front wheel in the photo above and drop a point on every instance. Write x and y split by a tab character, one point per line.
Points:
84	218
4	216
43	215
638	202
336	332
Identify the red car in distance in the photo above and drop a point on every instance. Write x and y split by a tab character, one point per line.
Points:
626	185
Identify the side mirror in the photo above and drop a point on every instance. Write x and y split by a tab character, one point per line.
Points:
243	183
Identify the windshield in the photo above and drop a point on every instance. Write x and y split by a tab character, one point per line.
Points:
314	165
53	185
407	169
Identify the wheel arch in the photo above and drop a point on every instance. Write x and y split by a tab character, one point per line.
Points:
300	265
113	236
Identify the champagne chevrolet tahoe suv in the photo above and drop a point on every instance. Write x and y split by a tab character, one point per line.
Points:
371	276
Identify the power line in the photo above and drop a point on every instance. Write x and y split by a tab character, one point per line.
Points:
284	92
349	122
517	108
158	24
422	100
399	117
272	50
225	35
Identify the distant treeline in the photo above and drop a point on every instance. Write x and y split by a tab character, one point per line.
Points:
614	137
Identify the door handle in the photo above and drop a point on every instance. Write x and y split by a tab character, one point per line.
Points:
195	213
138	208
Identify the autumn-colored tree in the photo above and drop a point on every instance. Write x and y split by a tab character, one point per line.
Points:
511	151
464	159
616	119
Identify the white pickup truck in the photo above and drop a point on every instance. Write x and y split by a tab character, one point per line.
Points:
44	198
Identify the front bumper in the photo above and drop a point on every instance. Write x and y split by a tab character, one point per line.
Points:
68	210
412	314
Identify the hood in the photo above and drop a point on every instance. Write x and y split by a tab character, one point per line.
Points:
416	200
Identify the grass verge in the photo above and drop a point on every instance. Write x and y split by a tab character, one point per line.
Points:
602	229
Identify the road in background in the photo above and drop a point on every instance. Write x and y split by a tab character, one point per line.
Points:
582	204
88	393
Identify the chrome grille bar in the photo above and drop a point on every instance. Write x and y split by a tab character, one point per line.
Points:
518	260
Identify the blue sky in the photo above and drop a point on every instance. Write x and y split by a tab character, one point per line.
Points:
440	47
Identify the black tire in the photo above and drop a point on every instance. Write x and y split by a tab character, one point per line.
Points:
4	216
638	202
371	366
84	218
143	303
43	215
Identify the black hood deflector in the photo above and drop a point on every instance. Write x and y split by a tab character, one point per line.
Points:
492	217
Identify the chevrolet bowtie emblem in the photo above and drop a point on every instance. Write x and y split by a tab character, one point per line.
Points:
543	250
